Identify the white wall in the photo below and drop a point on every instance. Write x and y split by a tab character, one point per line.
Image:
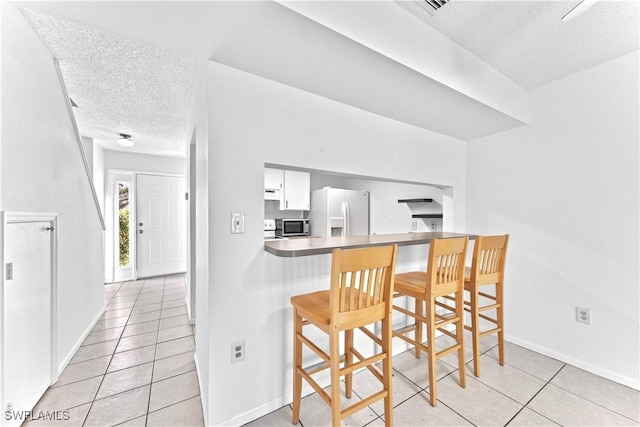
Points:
253	121
191	229
98	174
400	35
566	188
87	145
144	163
42	171
203	266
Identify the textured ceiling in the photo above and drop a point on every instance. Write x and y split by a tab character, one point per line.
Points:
527	41
121	86
130	65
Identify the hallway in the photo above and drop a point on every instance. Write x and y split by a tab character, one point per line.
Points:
136	366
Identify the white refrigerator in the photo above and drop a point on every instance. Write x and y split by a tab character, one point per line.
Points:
339	213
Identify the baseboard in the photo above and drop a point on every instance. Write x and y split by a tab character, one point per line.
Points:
202	402
258	412
275	404
581	364
192	321
76	346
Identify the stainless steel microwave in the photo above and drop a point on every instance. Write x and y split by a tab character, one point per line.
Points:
286	227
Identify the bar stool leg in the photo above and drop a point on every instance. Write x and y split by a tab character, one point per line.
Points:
387	369
334	344
475	329
460	337
431	354
499	318
297	361
418	331
348	351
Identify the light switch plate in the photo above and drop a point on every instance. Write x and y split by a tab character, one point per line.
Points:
237	222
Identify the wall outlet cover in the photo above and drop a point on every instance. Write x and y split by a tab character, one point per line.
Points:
237	222
237	351
583	315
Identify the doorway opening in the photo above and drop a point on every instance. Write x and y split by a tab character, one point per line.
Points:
147	236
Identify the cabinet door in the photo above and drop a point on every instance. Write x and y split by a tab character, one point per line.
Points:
27	313
297	187
273	179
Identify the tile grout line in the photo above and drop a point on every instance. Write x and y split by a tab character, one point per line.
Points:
507	396
152	368
51	387
155	354
121	352
424	389
173	376
99	378
583	397
526	405
110	360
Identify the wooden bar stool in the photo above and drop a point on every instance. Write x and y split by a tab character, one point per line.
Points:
444	277
360	294
487	268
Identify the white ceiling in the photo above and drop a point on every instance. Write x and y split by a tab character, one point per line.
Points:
121	86
527	41
130	65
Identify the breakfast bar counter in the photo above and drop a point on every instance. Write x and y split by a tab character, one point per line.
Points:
315	246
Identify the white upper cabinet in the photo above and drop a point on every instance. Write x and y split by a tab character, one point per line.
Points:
291	188
297	191
273	179
273	183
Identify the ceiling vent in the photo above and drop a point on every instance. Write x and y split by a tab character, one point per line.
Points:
436	4
419	7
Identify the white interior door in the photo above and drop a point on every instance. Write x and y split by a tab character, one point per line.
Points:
160	225
27	315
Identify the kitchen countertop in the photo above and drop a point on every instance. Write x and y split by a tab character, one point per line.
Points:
315	246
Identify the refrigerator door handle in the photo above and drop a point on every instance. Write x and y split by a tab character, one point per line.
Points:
347	220
343	211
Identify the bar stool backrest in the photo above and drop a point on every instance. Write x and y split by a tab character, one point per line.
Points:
445	267
361	285
489	255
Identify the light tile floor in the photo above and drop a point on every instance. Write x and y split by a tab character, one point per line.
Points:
136	368
530	390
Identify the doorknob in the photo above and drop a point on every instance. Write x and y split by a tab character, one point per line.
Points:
140	224
140	231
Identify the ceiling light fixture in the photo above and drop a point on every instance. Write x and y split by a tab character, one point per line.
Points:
125	140
578	10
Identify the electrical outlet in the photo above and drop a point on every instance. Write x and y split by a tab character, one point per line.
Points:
414	225
237	351
583	315
237	222
433	226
